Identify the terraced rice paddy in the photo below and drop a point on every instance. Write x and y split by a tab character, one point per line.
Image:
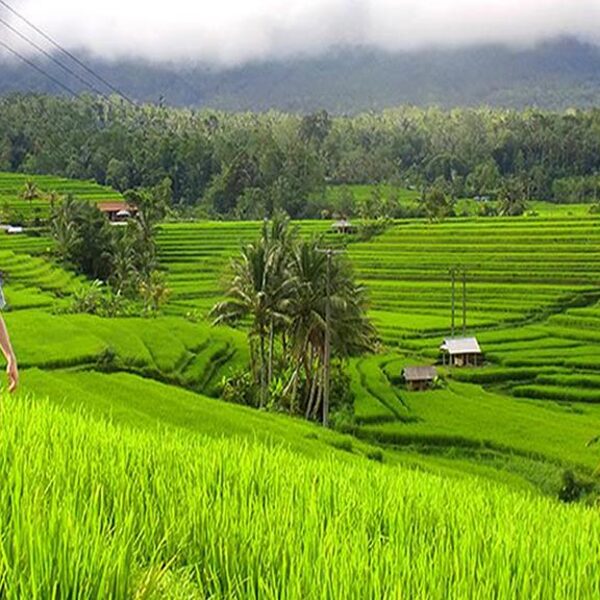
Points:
532	293
532	301
180	495
13	184
516	270
197	255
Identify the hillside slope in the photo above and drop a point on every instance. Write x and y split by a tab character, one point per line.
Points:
89	509
557	74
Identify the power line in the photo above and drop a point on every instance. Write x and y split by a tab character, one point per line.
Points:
38	69
53	59
67	53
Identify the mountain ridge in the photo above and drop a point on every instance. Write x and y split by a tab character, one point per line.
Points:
560	74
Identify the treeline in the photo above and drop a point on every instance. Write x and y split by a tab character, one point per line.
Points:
248	165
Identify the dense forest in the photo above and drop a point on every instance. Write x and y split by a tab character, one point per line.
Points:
247	165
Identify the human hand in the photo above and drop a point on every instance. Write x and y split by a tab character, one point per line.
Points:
12	371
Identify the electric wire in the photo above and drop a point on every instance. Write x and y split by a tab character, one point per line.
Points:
54	59
67	53
38	69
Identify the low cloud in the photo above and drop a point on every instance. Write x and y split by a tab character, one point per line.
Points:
232	32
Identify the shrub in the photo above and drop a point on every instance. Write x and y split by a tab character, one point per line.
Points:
376	455
573	488
240	388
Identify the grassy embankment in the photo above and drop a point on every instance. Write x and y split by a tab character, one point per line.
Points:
93	510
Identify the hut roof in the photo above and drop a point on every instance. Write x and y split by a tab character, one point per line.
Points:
114	206
342	223
461	346
420	373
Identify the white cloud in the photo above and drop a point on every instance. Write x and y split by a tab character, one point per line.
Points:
227	32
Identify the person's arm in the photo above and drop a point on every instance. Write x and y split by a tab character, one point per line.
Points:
12	370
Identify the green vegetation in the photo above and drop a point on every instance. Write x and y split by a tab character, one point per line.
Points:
525	421
534	322
197	256
98	510
301	303
248	166
123	258
25	199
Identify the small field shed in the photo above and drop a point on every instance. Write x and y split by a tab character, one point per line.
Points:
461	352
117	212
343	226
419	378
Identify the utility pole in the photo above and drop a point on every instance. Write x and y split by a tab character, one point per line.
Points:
327	365
453	276
464	277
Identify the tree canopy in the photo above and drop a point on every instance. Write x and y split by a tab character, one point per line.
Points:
248	165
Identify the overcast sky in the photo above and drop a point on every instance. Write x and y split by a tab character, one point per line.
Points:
231	32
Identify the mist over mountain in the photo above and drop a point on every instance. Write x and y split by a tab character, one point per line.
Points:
558	74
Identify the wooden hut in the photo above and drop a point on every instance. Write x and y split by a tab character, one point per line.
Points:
343	226
419	378
117	212
461	352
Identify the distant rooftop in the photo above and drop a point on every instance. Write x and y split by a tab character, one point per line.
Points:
113	206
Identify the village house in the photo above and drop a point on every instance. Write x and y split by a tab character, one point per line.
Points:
117	212
461	352
419	379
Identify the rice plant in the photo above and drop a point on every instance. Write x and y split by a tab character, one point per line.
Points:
93	510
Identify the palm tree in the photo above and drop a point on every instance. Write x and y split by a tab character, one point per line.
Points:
124	274
279	239
260	289
30	191
350	330
248	298
154	292
281	286
64	229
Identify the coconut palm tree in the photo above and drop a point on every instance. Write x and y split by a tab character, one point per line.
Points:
30	191
350	330
279	239
283	287
64	229
248	297
124	275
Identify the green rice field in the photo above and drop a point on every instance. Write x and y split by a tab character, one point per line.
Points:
97	510
123	475
15	207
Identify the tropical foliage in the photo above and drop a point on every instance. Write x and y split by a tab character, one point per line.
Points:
251	165
124	257
303	308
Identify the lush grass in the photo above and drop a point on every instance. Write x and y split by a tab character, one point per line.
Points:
145	404
196	356
531	300
100	511
167	348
